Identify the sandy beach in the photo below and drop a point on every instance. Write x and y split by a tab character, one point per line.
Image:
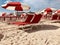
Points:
19	22
48	33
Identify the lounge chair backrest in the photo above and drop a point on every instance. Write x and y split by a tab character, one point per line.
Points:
54	17
59	17
37	18
29	18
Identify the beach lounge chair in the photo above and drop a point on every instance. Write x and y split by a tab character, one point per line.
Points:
33	23
58	17
34	20
29	17
54	17
29	25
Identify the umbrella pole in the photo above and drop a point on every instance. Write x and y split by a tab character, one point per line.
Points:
4	18
18	15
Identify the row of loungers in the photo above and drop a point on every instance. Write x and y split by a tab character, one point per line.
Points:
8	17
31	19
53	17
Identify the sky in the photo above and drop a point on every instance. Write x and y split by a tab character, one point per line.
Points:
35	5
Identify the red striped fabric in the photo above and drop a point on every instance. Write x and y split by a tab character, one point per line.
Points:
18	6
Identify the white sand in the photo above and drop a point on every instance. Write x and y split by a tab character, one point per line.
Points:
47	34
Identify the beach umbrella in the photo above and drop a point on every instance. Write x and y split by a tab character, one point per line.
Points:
4	14
58	12
48	10
17	6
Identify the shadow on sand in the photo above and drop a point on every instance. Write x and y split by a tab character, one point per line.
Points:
42	27
56	22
